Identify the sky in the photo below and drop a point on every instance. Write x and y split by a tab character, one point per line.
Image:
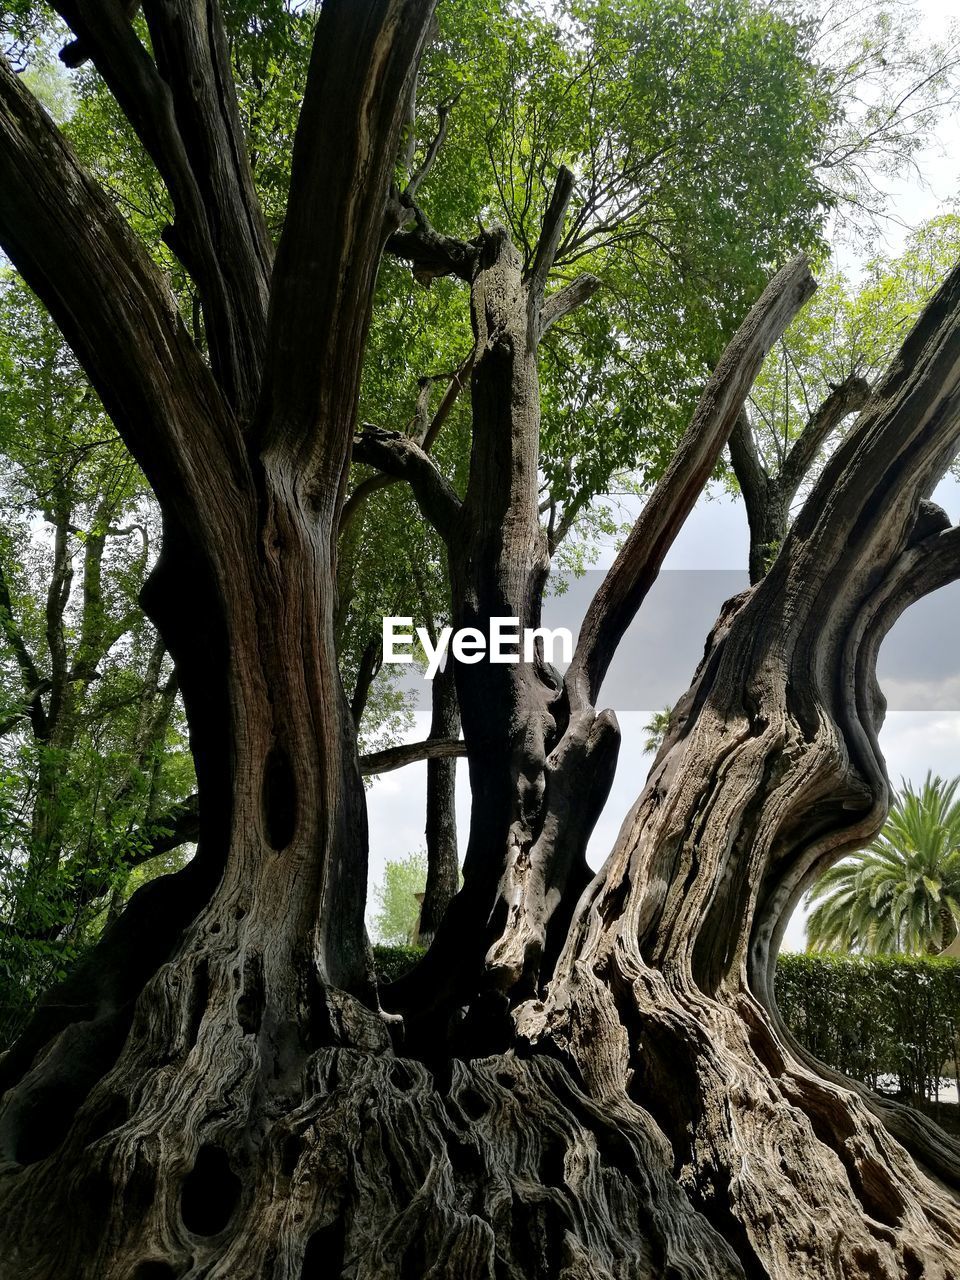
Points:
919	664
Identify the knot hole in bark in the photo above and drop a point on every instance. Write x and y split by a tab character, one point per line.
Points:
325	1252
154	1271
210	1192
279	799
252	998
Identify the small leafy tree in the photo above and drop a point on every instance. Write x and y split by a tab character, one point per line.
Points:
398	909
92	754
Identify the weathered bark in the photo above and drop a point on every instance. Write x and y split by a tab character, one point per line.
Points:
247	956
443	863
410	753
541	757
498	566
214	1092
769	495
772	770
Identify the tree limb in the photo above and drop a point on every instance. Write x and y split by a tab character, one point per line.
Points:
635	568
365	53
369	665
398	456
433	150
457	382
368	486
32	709
179	825
424	437
33	684
58	593
74	249
573	295
75	54
411	752
926	566
190	46
759	490
747	465
848	397
550	233
432	254
183	108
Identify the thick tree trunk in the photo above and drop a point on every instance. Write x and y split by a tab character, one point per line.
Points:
215	1093
644	1114
443	864
157	1068
651	1120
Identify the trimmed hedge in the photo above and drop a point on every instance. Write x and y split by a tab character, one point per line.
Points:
391	962
876	1016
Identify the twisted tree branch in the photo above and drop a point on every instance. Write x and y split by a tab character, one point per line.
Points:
75	251
847	397
432	254
550	232
635	568
183	108
399	457
364	58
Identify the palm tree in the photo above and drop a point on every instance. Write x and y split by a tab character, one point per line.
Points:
902	892
655	729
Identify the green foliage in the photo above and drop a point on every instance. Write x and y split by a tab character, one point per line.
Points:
397	914
672	117
901	893
896	288
876	1016
655	729
697	133
849	328
393	962
92	747
890	87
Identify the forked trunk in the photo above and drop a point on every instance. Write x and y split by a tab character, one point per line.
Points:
581	1085
649	1117
649	1120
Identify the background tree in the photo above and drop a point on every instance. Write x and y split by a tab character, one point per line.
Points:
398	909
94	761
587	1077
902	892
819	375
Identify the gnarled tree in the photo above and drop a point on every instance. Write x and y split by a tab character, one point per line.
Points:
584	1077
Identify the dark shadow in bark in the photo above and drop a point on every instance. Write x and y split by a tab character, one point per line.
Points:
210	1193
